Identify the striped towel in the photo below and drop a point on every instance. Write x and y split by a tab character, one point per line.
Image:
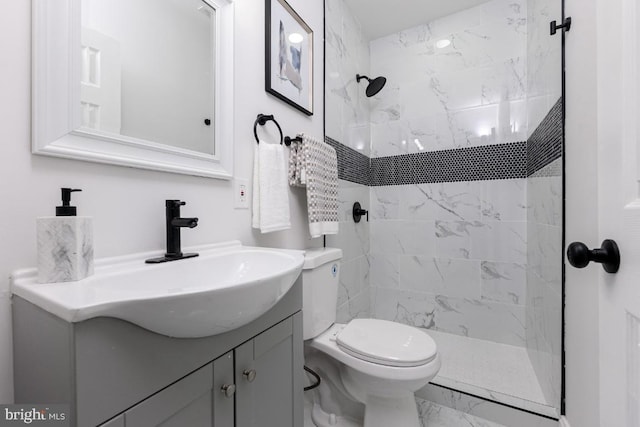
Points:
314	165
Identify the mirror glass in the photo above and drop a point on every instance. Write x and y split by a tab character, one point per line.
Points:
147	71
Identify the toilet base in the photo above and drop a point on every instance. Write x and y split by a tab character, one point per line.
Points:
386	403
322	419
385	412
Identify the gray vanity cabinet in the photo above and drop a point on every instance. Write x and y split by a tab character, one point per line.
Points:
115	374
262	387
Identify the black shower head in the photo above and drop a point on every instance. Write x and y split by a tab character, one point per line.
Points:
374	86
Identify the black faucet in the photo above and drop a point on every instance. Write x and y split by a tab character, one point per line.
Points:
174	223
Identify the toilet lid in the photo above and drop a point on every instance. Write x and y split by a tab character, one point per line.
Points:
386	343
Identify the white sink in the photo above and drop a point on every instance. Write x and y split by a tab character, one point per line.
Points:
226	287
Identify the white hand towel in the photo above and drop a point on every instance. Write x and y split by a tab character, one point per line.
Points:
270	190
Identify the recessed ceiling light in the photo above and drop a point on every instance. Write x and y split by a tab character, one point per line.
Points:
296	38
441	44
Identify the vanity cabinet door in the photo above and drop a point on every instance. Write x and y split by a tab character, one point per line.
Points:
269	386
187	402
223	391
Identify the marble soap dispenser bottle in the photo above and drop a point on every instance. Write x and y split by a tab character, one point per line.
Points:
65	244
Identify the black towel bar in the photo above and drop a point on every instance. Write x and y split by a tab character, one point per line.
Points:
262	120
288	140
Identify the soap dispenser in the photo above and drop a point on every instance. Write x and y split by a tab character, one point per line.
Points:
65	244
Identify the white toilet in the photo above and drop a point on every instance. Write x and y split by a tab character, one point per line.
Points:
382	363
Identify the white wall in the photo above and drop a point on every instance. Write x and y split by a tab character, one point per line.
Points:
128	204
581	189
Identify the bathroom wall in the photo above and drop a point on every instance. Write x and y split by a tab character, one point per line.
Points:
544	198
128	204
448	230
347	130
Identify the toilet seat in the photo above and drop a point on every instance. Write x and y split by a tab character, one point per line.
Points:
326	343
386	343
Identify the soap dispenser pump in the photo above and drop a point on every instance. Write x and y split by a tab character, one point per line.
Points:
66	209
65	244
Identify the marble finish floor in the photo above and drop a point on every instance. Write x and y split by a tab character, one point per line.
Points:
431	415
490	370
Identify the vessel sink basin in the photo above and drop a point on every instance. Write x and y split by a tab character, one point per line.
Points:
226	287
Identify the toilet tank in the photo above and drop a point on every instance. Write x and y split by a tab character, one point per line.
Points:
320	278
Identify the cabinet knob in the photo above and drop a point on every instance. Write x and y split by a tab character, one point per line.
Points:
228	389
249	374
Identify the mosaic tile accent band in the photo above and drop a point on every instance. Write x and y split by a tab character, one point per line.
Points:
353	166
502	161
488	162
545	144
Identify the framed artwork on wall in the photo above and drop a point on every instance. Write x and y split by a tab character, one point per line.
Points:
288	56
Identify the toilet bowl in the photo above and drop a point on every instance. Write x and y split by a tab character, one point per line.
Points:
382	363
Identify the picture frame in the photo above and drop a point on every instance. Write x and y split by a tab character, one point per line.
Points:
288	56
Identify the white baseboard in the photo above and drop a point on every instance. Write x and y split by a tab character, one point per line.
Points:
564	422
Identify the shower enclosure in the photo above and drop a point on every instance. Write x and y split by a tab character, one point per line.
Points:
459	160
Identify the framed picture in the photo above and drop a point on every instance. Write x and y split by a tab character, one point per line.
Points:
288	56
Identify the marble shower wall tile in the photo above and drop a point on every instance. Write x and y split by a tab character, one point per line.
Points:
504	200
385	202
453	201
504	282
475	318
464	242
385	271
441	276
544	283
357	307
471	92
544	53
403	237
353	239
347	54
501	241
546	200
453	238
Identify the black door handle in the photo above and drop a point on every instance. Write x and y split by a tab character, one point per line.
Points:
579	255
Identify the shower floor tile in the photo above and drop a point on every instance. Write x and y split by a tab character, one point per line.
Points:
494	371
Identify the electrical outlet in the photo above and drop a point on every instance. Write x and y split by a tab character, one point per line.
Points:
241	194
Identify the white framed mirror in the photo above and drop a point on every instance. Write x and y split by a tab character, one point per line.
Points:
143	83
